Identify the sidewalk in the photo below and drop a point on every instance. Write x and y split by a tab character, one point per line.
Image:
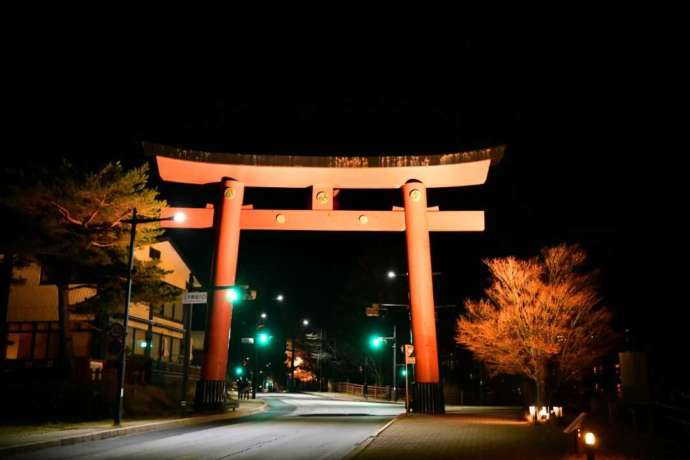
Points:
23	438
472	436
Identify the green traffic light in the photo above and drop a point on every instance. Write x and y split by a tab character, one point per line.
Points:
403	372
376	342
239	371
263	338
234	294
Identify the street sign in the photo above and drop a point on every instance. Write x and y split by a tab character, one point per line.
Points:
409	354
195	297
247	339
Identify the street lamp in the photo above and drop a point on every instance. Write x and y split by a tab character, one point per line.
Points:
280	297
263	315
134	221
305	322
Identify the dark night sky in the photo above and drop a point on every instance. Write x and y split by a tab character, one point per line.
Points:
571	112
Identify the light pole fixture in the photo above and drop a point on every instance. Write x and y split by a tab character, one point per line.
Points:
280	297
134	221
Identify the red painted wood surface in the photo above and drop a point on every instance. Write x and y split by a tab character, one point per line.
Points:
450	175
325	220
421	285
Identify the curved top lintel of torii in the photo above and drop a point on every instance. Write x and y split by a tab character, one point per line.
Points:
455	169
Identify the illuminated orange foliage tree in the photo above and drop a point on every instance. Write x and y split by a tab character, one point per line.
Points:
539	316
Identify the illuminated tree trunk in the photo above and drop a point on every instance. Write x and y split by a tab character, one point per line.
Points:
428	396
210	391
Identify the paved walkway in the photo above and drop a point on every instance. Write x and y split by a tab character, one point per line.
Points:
475	436
14	438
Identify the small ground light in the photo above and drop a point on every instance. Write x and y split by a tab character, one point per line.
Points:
179	217
590	438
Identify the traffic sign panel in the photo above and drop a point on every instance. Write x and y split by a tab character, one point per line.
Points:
195	297
409	354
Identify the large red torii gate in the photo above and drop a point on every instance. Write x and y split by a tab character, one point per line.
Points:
325	175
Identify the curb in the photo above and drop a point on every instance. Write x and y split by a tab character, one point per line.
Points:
116	432
364	444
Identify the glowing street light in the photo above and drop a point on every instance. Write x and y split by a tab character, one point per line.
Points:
305	322
403	372
239	371
280	297
263	315
391	274
122	365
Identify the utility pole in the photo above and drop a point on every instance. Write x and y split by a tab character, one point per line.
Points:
292	364
119	397
364	387
394	394
255	375
318	359
187	321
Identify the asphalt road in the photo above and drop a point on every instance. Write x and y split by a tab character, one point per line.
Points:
295	426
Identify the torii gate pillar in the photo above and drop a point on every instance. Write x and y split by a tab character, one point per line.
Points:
210	389
428	397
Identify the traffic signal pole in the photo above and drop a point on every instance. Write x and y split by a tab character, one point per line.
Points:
255	375
394	395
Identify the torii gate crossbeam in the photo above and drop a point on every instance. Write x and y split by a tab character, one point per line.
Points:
412	174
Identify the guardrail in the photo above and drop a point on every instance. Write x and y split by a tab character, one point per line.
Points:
373	391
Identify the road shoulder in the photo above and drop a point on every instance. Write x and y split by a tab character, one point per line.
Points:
18	444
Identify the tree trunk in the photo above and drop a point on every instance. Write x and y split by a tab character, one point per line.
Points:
66	348
539	383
